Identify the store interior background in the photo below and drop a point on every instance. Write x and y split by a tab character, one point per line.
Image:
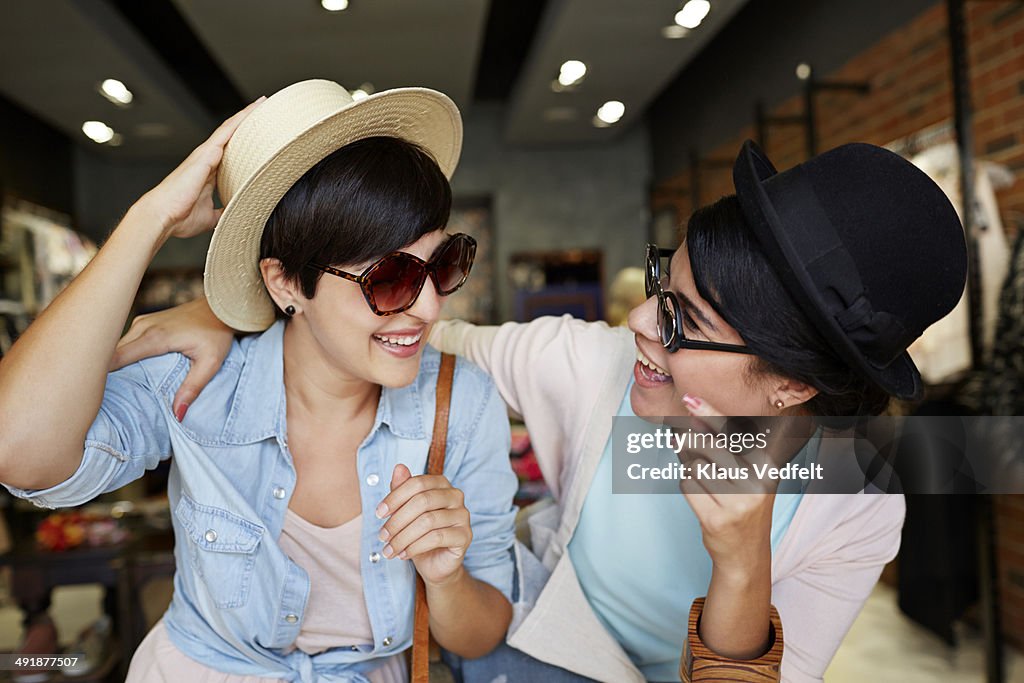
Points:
552	180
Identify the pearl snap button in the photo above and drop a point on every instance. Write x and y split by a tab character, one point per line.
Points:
372	480
279	493
386	642
210	536
291	618
375	557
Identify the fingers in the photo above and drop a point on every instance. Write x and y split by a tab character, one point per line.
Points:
404	486
421	507
454	539
698	407
207	155
417	496
139	342
446	528
199	375
399	476
224	132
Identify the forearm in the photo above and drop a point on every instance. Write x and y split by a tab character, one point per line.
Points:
51	381
735	620
467	616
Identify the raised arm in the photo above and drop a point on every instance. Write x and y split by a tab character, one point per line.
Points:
52	380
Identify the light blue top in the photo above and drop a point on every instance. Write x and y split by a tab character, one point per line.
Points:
641	562
238	599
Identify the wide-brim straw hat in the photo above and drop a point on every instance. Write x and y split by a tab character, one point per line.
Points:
275	145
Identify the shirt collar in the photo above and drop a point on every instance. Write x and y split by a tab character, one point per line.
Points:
259	408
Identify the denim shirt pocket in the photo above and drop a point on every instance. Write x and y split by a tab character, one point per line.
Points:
222	549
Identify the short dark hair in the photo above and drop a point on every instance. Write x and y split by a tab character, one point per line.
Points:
365	200
732	274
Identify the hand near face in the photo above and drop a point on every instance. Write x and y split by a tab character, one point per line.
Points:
427	522
735	514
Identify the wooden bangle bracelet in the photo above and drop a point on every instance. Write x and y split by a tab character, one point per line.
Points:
701	664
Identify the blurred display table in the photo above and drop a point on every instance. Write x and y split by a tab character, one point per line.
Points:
124	567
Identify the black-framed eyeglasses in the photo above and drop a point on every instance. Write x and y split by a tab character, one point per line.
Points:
392	283
670	313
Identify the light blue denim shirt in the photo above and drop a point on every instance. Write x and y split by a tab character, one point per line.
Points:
238	599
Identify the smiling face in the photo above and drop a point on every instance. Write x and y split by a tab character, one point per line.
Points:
725	380
359	344
368	199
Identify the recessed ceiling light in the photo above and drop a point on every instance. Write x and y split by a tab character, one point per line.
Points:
97	131
363	91
803	71
334	5
693	13
674	31
116	91
611	111
572	72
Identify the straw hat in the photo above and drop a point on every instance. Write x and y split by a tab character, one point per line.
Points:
275	145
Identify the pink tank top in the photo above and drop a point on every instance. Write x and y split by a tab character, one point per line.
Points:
335	613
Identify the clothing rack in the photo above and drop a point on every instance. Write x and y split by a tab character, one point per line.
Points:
963	119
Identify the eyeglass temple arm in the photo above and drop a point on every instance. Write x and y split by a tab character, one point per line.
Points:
339	273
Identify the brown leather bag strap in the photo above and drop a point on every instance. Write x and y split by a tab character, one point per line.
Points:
435	465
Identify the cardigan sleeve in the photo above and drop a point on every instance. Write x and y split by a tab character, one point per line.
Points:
549	371
818	603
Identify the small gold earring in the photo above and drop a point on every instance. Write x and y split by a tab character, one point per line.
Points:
779	404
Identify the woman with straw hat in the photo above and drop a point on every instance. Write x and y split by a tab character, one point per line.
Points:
298	510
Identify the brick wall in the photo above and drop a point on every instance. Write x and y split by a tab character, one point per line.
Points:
909	72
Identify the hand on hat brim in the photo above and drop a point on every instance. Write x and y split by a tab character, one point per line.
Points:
183	201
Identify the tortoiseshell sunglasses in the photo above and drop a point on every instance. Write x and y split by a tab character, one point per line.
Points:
392	283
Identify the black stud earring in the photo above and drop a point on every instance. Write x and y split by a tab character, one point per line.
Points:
289	310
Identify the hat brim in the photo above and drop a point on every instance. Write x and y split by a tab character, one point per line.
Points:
232	280
900	377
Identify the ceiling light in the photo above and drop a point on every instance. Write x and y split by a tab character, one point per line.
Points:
693	13
674	31
334	5
363	91
97	131
611	111
116	91
803	71
572	72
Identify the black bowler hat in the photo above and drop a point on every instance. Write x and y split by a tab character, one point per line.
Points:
867	245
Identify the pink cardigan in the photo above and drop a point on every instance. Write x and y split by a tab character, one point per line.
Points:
566	378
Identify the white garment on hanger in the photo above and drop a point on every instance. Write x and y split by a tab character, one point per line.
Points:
943	352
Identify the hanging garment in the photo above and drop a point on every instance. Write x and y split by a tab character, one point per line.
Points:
998	388
943	352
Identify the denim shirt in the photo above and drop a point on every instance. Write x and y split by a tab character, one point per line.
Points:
238	598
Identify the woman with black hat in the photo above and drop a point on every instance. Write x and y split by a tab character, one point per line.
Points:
798	296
